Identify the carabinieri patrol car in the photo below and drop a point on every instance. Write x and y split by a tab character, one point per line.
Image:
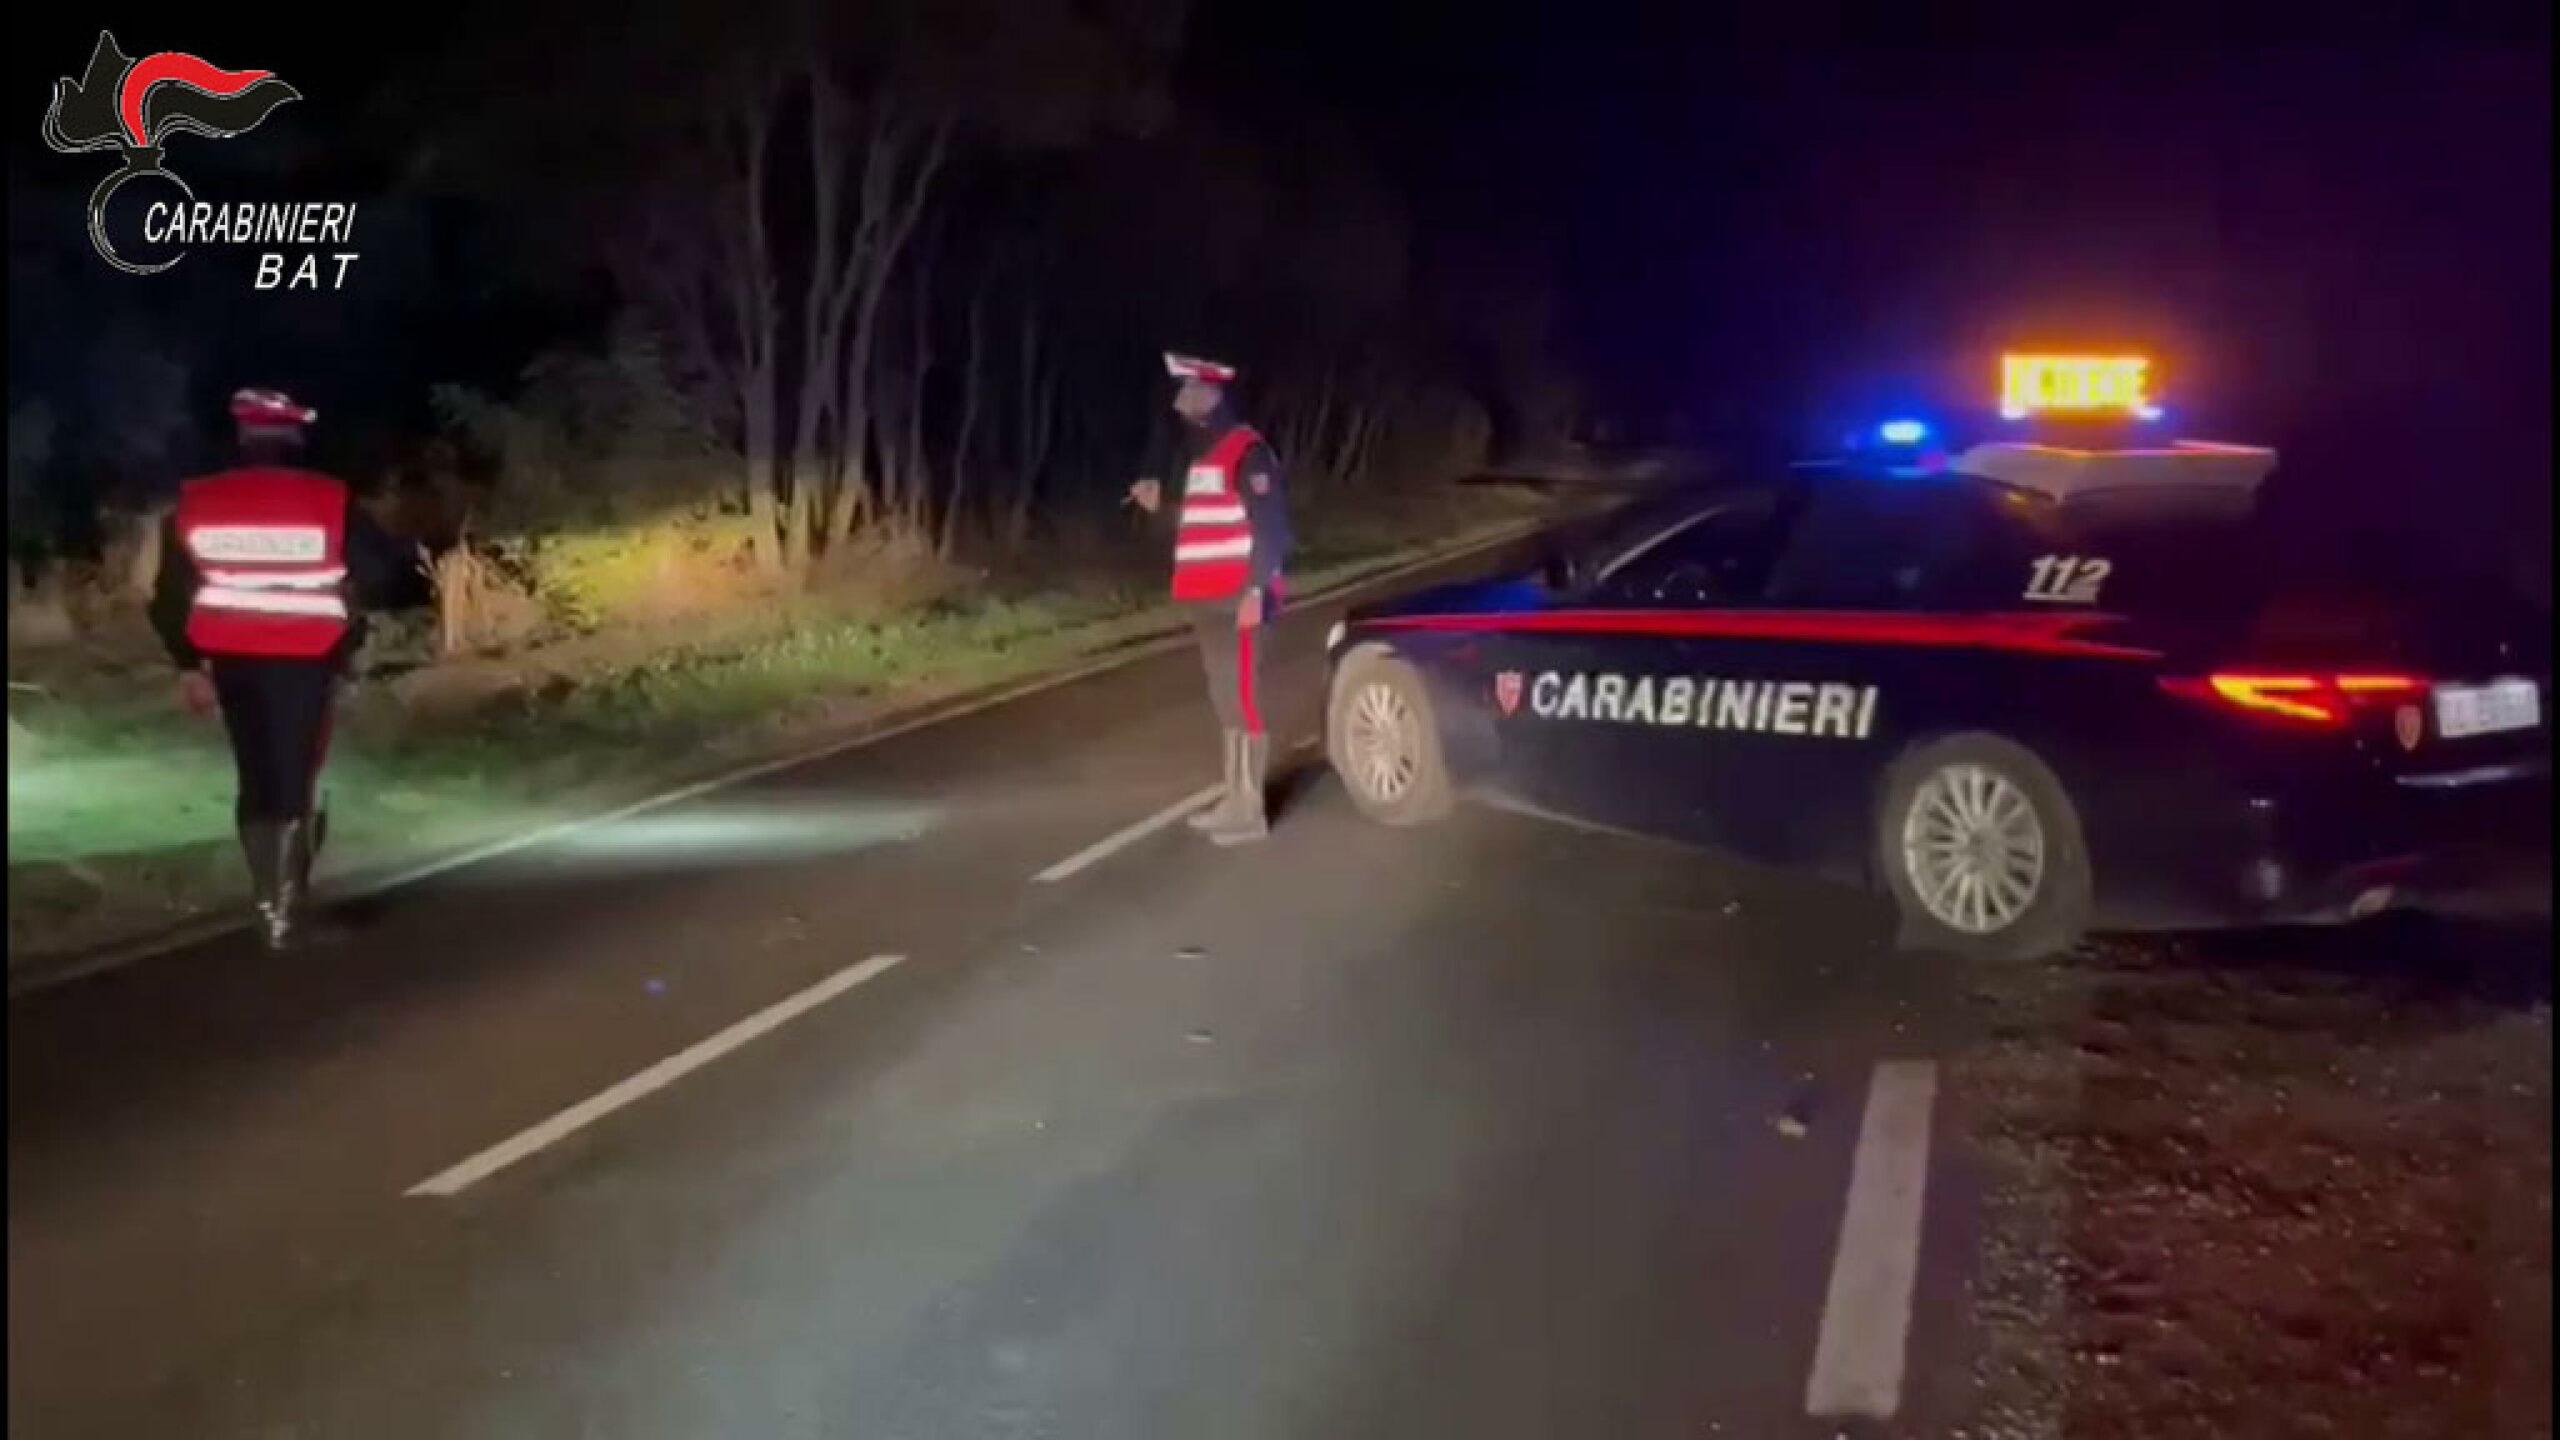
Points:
2025	688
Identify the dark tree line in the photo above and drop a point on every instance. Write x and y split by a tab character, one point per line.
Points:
913	265
904	267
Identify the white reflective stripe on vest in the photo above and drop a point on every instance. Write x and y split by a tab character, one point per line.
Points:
1235	549
277	579
1225	512
259	542
270	602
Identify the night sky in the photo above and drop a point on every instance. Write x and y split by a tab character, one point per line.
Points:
1834	215
2332	235
2337	239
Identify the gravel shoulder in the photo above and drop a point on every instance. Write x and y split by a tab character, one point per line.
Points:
2295	1183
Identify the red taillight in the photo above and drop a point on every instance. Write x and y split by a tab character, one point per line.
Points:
2381	689
2328	700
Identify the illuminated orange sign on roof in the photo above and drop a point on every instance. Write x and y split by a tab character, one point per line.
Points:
2075	384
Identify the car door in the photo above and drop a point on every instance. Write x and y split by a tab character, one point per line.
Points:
1594	695
1858	635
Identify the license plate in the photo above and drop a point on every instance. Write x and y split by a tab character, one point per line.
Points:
2486	709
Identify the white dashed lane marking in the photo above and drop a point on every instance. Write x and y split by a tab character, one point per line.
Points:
1128	835
1866	1313
458	1178
657	1077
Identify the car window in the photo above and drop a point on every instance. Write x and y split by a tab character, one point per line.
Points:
1884	545
1716	555
2169	557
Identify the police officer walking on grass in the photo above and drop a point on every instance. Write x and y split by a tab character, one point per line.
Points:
1231	538
265	570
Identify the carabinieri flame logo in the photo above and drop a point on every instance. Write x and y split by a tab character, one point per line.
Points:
136	105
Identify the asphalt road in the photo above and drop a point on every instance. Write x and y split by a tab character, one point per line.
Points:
1491	1129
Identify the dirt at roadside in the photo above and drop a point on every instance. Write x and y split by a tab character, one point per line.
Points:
2287	1184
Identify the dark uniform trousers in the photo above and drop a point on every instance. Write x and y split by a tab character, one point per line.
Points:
277	713
1232	658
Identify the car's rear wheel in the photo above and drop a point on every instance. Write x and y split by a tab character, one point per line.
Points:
1981	847
1384	743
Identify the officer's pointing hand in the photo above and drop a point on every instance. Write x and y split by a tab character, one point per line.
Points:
1249	610
195	691
1146	493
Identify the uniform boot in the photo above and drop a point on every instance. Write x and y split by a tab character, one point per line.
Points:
297	925
262	843
1251	820
1228	810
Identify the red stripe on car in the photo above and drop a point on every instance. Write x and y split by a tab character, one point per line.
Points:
2035	632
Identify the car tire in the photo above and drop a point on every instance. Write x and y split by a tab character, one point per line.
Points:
2024	893
1384	742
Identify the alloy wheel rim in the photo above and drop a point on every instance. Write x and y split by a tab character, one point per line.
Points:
1973	848
1384	741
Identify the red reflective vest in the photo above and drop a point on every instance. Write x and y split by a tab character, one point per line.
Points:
1213	544
270	546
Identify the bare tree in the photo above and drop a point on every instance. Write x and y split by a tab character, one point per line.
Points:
915	481
972	368
1035	416
756	318
826	294
705	273
710	266
902	152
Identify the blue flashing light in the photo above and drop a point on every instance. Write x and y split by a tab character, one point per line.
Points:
1902	432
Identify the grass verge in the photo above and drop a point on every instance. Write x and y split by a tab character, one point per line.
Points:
119	808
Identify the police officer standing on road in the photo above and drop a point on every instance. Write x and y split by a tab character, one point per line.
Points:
264	571
1231	539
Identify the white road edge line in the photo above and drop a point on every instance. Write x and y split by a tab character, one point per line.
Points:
1866	1314
1128	835
666	1072
117	956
